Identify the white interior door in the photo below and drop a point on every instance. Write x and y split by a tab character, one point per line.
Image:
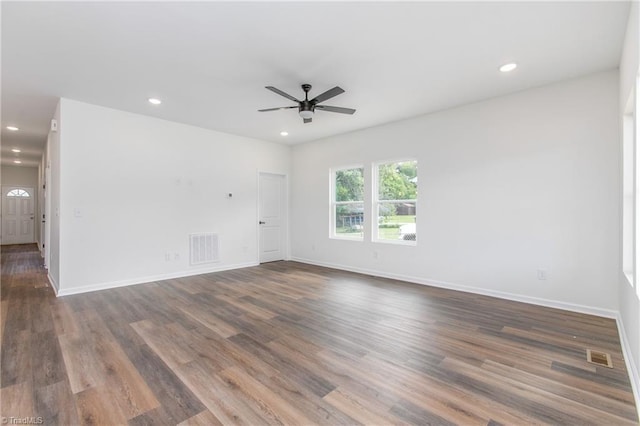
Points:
272	217
17	215
47	214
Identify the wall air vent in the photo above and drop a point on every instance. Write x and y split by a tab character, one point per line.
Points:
203	248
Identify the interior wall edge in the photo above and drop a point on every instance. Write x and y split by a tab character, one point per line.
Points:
54	284
149	279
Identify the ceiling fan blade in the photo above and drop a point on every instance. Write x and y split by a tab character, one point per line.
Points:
327	95
276	109
335	109
306	120
281	93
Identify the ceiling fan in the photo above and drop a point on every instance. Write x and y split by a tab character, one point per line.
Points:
307	107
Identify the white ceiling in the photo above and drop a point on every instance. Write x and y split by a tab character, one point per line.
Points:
209	62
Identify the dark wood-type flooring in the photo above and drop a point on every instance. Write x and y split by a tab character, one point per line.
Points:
288	343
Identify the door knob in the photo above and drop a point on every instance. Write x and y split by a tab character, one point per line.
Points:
262	223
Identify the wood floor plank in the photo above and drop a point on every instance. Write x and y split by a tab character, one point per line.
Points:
56	404
4	305
209	320
158	338
217	396
92	409
47	363
549	407
63	318
123	382
289	343
270	405
81	362
177	402
17	401
15	362
248	307
360	409
205	418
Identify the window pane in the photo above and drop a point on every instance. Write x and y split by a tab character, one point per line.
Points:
349	220
350	185
397	221
398	181
628	197
18	193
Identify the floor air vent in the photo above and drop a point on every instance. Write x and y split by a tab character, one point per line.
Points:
203	248
599	358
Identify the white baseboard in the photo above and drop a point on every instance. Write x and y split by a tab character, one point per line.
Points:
54	284
152	278
632	368
607	313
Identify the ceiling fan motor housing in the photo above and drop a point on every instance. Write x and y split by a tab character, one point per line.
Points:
306	107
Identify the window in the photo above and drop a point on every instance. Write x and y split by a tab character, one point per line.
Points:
347	204
628	197
395	201
631	191
18	193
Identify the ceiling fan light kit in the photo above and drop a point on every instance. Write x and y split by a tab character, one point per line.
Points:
307	108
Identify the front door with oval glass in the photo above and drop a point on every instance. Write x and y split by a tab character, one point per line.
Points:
17	215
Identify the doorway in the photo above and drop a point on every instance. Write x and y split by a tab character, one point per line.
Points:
18	215
272	217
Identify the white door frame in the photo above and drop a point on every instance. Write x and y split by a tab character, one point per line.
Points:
47	215
285	219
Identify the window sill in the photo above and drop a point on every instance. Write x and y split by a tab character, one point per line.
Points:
397	242
357	239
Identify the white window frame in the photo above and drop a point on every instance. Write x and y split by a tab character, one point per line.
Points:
629	197
376	203
334	204
631	189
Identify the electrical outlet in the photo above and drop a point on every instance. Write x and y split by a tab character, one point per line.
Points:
375	254
542	274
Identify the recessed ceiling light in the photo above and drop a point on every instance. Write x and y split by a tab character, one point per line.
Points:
17	161
12	128
508	67
15	150
284	133
155	101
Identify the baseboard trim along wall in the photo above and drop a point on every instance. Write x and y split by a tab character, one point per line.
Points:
632	368
54	284
151	278
607	313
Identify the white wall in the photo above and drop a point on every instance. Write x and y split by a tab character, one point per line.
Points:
506	186
25	176
629	301
134	187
